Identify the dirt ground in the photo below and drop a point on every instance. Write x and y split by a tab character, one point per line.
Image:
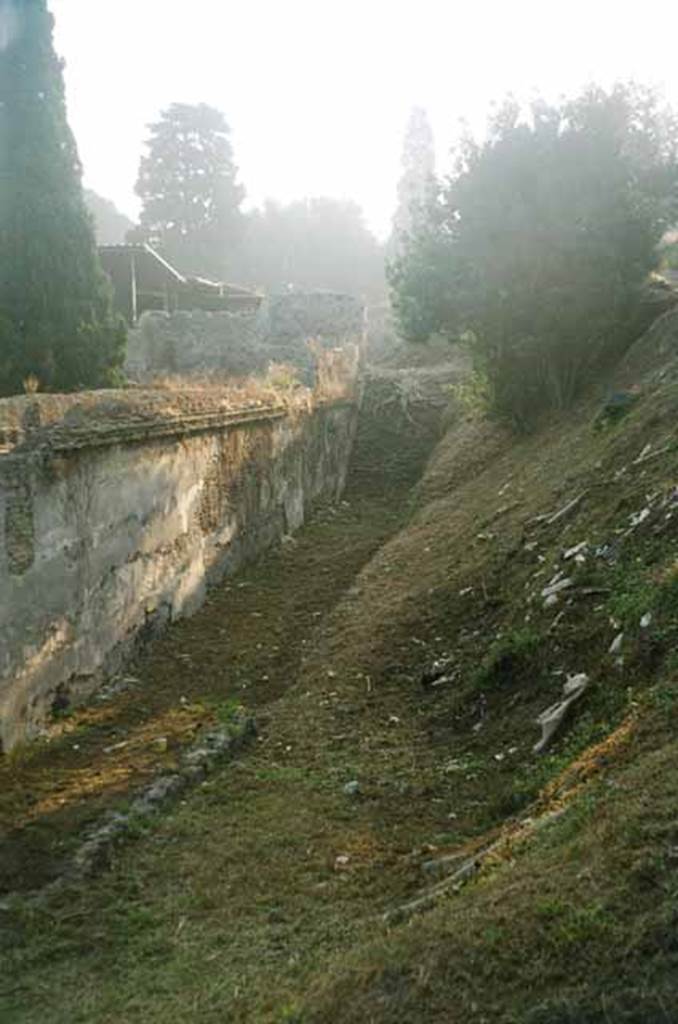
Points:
245	646
258	896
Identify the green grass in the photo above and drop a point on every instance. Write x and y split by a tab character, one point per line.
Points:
259	896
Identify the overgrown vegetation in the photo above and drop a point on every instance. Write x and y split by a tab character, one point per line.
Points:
535	252
57	330
260	897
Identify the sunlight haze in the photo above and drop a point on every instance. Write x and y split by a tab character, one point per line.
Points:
318	94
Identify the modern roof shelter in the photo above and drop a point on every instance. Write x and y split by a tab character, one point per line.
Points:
142	280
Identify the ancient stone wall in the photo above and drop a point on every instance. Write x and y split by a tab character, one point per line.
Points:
238	344
111	527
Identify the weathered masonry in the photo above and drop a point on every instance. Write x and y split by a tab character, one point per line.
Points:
117	512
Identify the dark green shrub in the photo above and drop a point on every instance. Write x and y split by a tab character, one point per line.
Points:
536	250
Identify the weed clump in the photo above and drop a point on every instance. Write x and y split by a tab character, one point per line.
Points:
508	661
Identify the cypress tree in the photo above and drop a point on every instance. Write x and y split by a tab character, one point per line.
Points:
56	321
418	177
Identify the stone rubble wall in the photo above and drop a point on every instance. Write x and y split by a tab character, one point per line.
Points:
202	344
105	539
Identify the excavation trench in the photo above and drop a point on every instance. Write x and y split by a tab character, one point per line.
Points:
245	645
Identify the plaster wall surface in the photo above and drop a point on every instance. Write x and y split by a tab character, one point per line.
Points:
103	543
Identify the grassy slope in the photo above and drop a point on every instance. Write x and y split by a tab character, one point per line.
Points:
259	898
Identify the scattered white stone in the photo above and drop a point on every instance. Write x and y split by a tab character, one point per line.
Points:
616	645
551	600
646	620
116	746
639	517
578	549
556	587
352	788
551	719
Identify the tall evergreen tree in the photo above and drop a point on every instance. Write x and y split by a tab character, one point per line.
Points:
418	175
55	311
188	187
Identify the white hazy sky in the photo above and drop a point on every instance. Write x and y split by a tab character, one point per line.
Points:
317	93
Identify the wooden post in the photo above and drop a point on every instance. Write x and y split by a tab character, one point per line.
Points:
133	269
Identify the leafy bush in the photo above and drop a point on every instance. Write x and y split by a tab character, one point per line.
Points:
536	250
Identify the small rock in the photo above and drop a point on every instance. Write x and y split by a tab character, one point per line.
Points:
556	586
352	788
341	862
616	645
435	671
160	744
578	549
639	517
646	620
158	793
116	746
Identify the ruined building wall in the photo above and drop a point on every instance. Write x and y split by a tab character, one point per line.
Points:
103	543
117	509
239	344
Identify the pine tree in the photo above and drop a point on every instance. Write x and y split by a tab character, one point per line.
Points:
418	175
188	187
55	311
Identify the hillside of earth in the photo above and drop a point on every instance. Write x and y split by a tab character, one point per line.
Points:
392	847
